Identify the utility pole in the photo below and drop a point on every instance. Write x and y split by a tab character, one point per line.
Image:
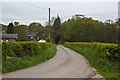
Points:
49	23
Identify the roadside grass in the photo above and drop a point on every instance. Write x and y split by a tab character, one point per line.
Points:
15	63
107	68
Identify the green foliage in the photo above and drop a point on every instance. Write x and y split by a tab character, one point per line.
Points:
102	56
48	39
34	27
55	30
119	35
21	30
4	28
16	23
46	31
21	49
20	55
10	29
83	29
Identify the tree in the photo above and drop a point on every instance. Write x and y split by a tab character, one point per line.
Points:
10	29
16	23
55	30
21	30
46	31
36	27
4	28
83	29
118	26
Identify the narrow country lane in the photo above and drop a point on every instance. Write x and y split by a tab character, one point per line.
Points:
66	64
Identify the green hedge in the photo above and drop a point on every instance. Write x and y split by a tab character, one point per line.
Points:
103	56
21	49
20	55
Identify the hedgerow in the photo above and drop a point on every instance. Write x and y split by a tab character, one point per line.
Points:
20	55
103	56
21	49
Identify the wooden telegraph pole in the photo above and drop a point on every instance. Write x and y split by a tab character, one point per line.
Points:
49	23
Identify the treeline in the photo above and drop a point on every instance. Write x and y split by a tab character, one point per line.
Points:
83	29
22	30
77	29
16	28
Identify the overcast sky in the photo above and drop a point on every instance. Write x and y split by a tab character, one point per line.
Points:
60	0
31	11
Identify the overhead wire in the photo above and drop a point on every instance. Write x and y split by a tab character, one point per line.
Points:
35	5
27	18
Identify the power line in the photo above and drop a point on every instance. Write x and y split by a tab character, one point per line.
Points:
35	5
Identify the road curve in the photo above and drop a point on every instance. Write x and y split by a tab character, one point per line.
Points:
65	64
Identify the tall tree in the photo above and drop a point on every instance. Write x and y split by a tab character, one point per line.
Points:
55	30
10	29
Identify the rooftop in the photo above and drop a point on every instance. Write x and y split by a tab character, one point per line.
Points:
13	36
32	33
